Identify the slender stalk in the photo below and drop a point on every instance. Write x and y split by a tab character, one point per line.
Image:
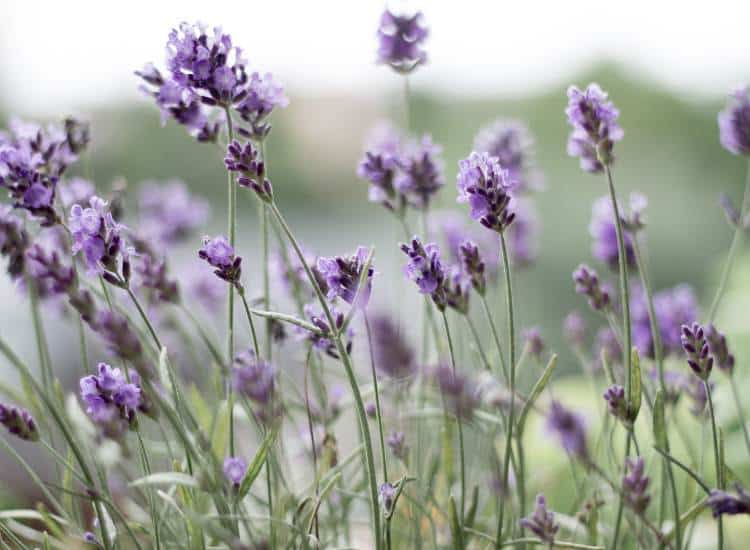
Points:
263	216
717	457
621	504
496	338
377	398
143	315
659	359
231	229
462	454
740	410
348	367
733	249
256	348
512	361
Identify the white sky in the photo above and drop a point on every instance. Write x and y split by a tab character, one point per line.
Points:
61	55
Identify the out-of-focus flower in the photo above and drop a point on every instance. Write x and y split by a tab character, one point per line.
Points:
717	345
608	344
219	254
387	497
602	229
734	123
263	95
19	422
696	348
541	522
394	357
587	284
486	186
234	470
460	393
696	391
400	41
457	286
207	289
48	272
473	265
122	341
75	190
14	240
574	328
595	129
168	212
111	401
420	176
153	275
523	233
254	377
722	503
381	164
426	270
454	228
342	276
674	307
397	443
569	428
616	402
534	342
635	485
511	142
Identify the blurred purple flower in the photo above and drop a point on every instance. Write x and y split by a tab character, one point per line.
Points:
234	470
19	422
734	123
420	176
569	428
635	485
168	212
460	393
381	164
574	327
254	377
602	229
587	284
717	345
400	40
14	241
722	503
393	355
342	276
111	401
541	522
674	307
595	128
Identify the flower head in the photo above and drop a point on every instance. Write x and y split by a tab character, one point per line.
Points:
523	233
251	169
460	393
426	270
722	503
697	350
111	401
48	272
616	402
473	265
397	443
393	355
486	186
534	342
635	485
569	428
263	95
595	129
400	39
587	284
168	212
342	275
14	240
387	497
717	345
541	522
674	307
19	422
323	339
254	377
734	123
420	176
380	165
511	142
234	470
219	254
574	327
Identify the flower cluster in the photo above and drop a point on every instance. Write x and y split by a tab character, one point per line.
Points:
616	402
473	265
323	339
244	159
574	327
393	355
587	284
168	213
253	377
234	470
342	275
153	276
400	39
32	160
486	186
460	394
14	240
595	128
397	443
734	123
674	307
426	270
534	342
47	270
541	522
697	350
98	237
569	428
19	422
635	485
717	345
420	176
220	255
722	502
111	401
511	143
604	233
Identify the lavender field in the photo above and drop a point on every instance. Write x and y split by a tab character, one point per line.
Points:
236	314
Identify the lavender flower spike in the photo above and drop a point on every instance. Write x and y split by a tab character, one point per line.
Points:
511	142
254	377
394	357
420	176
342	275
473	265
697	350
234	470
426	270
399	448
574	327
251	168
734	123
220	254
635	485
380	166
14	240
717	345
616	402
19	422
111	401
570	429
595	128
602	229
541	522
722	502
486	186
400	39
587	284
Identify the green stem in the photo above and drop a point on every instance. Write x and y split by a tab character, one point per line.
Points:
231	229
256	348
263	215
512	361
143	315
348	367
733	249
377	398
740	410
621	504
496	338
717	457
462	454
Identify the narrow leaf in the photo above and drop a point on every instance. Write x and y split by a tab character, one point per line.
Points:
536	391
257	464
659	422
634	406
456	531
166	478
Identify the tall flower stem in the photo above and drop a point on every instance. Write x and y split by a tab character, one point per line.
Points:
231	229
377	398
717	457
496	338
659	359
263	216
733	249
512	360
348	367
740	409
462	454
621	505
254	335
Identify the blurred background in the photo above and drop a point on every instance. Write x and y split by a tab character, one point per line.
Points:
668	66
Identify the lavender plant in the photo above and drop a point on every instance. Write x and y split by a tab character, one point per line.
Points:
172	440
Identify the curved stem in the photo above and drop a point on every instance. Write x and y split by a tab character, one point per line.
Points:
377	398
250	322
348	367
733	249
512	361
496	338
717	457
143	315
740	410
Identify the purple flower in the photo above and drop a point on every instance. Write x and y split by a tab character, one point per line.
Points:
486	186
250	168
674	307
380	165
587	284
219	254
111	401
697	350
420	176
602	229
342	276
14	240
616	402
393	355
608	345
387	497
717	345
574	327
635	485
511	142
534	342
523	233
569	428
397	443
206	289
734	123
455	228
696	391
122	341
473	265
457	286
460	393
263	95
254	378
323	340
595	128
400	39
48	272
541	522
75	191
168	212
426	270
234	470
19	422
722	502
674	381
153	275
